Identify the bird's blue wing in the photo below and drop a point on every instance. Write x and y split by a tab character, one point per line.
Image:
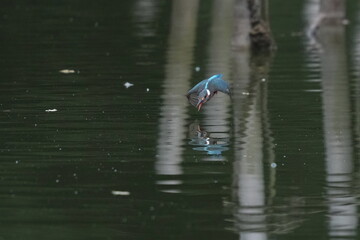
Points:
213	84
218	84
193	94
193	99
197	88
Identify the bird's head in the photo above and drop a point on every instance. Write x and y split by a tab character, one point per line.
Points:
203	97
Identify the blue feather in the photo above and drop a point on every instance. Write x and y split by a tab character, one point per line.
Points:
212	78
211	86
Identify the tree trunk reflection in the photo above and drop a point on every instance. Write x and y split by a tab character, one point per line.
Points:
337	121
177	81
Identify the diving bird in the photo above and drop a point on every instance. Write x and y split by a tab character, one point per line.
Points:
206	89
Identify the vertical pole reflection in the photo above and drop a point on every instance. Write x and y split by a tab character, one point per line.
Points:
249	101
357	83
177	74
252	139
145	12
312	16
219	62
337	129
248	174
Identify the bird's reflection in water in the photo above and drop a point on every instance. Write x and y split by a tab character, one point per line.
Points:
204	142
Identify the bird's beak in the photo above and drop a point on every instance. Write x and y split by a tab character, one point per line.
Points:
199	104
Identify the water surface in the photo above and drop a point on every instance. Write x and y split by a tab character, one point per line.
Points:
84	157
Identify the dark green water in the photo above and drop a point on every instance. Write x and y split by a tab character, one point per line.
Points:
279	161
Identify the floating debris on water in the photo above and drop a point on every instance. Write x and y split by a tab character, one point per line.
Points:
148	89
197	68
67	71
127	84
51	110
273	165
245	93
313	90
120	193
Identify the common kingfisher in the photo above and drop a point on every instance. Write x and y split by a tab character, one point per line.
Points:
206	89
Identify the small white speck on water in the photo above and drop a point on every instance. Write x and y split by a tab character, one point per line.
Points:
120	193
284	156
35	125
197	68
51	110
273	165
67	71
16	162
57	180
148	89
263	80
313	90
127	84
245	93
76	192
